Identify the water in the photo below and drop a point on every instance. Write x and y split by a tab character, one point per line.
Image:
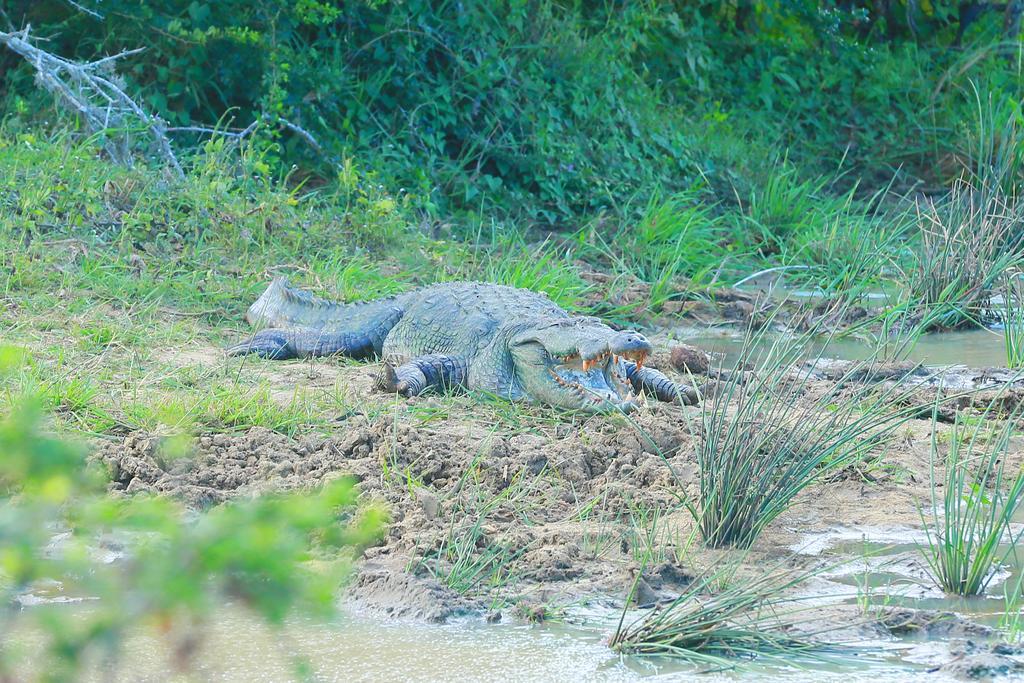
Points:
886	566
236	647
878	565
977	348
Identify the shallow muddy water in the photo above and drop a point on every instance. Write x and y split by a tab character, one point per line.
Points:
978	348
880	566
236	647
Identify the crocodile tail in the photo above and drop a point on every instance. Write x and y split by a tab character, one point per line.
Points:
283	306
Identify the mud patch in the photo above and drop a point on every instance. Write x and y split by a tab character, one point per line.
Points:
224	466
393	592
984	661
902	621
558	510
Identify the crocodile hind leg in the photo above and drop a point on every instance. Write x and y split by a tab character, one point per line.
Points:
433	372
276	344
651	381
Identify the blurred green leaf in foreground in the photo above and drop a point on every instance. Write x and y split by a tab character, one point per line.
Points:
147	562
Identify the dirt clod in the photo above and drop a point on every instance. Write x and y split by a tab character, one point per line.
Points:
690	359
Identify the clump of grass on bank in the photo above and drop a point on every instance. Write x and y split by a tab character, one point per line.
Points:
721	620
469	559
786	206
1013	321
765	436
968	240
467	563
848	249
678	243
969	532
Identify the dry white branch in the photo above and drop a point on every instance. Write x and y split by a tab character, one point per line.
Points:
94	92
92	13
308	137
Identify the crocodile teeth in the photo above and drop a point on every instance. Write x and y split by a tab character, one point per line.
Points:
622	385
637	357
589	363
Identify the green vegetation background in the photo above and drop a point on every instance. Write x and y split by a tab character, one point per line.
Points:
552	112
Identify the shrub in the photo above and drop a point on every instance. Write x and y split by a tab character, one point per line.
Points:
546	110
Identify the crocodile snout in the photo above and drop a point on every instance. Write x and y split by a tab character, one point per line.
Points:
631	345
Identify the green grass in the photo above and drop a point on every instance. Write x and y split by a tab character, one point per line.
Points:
650	537
465	567
721	621
468	560
677	244
968	525
786	206
1013	321
761	441
546	267
598	536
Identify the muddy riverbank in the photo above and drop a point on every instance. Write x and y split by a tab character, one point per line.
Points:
520	517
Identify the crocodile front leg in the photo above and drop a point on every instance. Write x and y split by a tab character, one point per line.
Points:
433	372
277	344
651	381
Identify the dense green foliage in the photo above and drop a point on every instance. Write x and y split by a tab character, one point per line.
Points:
554	111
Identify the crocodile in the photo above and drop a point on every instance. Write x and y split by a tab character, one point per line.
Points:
514	343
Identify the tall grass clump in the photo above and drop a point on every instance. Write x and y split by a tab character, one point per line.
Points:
769	433
850	247
972	236
676	238
1013	321
720	619
969	535
967	241
995	149
787	205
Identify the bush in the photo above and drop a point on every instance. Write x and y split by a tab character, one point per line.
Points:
552	111
274	555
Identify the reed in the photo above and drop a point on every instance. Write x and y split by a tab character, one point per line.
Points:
720	620
968	533
769	433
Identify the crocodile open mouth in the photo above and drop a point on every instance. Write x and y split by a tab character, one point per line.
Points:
598	381
575	366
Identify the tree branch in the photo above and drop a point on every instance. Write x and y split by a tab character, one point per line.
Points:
88	11
93	91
